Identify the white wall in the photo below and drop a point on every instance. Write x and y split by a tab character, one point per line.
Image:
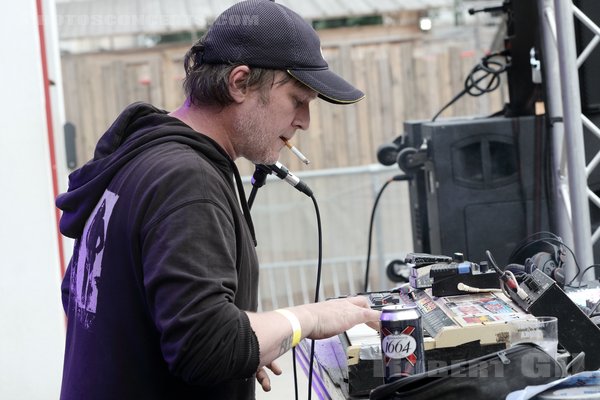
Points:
32	324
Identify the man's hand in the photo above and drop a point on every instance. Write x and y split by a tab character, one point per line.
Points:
334	316
263	378
317	321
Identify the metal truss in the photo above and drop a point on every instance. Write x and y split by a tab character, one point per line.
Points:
563	106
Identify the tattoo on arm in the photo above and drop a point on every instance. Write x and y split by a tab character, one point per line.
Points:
285	345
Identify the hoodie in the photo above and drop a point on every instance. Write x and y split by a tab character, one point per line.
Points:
163	267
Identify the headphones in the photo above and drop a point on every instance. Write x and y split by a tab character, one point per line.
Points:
544	251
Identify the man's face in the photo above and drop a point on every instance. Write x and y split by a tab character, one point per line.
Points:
266	119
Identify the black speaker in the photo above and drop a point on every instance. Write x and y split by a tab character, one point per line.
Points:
483	185
589	79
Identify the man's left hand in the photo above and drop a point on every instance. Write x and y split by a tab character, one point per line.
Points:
263	378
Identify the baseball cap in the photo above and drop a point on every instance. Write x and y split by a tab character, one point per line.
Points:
264	34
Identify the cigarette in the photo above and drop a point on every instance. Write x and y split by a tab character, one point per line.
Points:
296	152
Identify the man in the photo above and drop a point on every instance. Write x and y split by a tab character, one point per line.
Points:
161	291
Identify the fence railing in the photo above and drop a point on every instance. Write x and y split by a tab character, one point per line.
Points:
287	234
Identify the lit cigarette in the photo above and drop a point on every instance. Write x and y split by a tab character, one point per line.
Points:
296	152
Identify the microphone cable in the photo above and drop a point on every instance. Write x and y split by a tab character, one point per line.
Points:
371	223
486	68
258	180
317	288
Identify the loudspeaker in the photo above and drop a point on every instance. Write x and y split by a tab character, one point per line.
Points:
589	79
483	185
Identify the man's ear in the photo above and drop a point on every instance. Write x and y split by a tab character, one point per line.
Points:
238	79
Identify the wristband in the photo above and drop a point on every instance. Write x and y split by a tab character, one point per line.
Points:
297	330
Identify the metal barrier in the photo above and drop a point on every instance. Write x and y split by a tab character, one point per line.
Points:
286	230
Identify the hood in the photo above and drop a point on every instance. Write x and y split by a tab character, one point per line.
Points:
139	127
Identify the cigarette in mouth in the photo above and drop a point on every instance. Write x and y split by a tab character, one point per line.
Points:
296	152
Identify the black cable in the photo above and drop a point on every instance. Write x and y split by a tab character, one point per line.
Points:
295	373
259	178
523	244
588	268
395	178
486	68
552	239
317	288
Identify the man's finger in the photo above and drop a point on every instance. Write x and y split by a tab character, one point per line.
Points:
374	324
263	379
276	369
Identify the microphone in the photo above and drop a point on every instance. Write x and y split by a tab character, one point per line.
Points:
283	173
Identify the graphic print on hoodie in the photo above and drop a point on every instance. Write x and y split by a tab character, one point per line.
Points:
87	263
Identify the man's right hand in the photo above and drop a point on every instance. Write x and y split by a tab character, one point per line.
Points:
332	317
317	321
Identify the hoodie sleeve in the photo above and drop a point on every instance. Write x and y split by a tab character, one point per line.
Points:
190	277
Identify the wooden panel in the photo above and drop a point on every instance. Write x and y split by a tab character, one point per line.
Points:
403	78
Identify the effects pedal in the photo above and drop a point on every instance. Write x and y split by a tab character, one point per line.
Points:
447	277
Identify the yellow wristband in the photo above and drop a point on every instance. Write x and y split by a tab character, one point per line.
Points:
297	330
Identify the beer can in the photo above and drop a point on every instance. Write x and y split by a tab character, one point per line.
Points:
402	347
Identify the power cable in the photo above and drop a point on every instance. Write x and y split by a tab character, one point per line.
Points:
487	69
395	178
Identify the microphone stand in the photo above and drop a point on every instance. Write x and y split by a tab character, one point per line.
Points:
259	178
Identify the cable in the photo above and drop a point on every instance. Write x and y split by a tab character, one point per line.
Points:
259	179
588	268
466	288
487	67
553	239
395	178
295	373
523	244
507	278
317	288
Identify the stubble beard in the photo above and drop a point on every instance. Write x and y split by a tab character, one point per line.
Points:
254	141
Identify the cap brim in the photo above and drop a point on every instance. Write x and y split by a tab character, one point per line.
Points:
330	86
